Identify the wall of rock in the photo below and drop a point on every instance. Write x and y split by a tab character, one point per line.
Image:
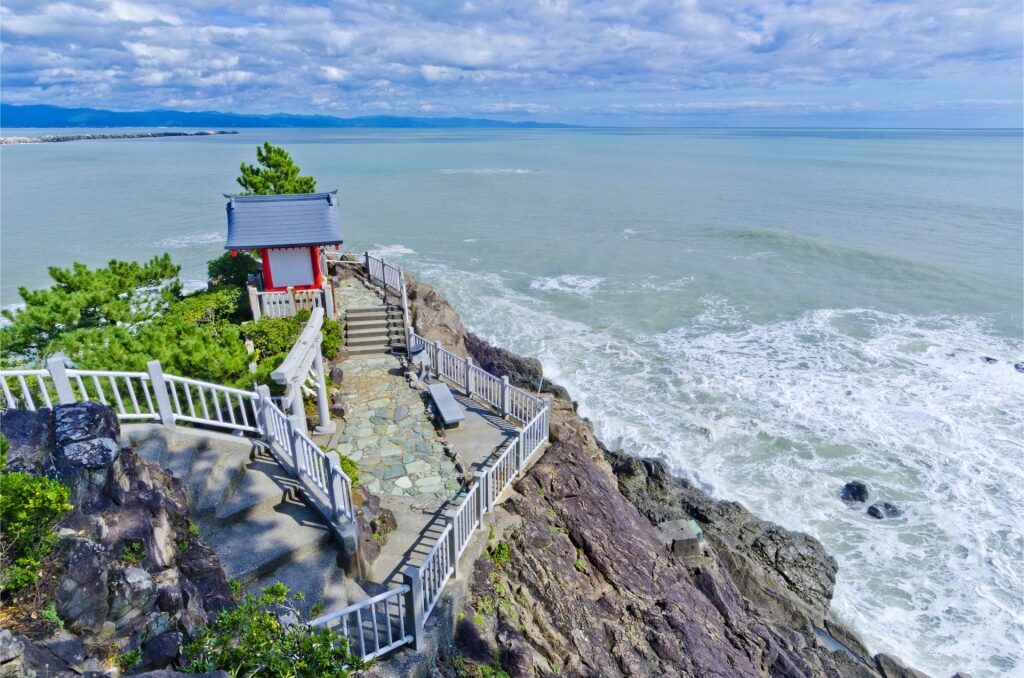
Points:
127	575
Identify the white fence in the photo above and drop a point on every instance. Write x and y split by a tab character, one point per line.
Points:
376	625
171	400
286	303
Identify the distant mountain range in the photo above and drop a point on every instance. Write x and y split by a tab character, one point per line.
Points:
12	115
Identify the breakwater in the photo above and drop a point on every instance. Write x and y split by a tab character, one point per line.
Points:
54	138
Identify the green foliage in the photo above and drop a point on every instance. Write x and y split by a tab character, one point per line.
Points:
479	620
484	605
350	468
272	336
378	537
5	445
235	587
133	552
193	529
29	508
333	340
123	294
501	554
277	173
224	303
49	613
250	639
127	660
183	545
580	564
232	270
466	668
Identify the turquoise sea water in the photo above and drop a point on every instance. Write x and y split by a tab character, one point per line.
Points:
773	312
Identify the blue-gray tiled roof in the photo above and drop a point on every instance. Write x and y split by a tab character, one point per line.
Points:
257	221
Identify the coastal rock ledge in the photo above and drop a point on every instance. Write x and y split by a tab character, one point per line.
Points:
576	579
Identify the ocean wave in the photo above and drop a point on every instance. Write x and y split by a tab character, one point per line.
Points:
386	252
779	415
192	239
581	285
489	170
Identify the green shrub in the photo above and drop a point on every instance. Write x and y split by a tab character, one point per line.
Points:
501	554
127	660
232	270
350	468
271	336
224	303
29	508
250	639
49	613
133	552
332	338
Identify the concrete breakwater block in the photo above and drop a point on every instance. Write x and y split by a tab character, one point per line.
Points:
684	539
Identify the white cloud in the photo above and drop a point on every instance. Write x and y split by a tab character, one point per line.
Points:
621	57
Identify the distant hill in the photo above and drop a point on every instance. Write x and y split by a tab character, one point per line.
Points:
12	115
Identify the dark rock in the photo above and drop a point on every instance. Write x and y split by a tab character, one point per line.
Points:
89	454
384	522
339	406
65	647
884	509
10	647
337	375
81	596
132	593
1019	367
163	650
892	667
164	673
83	421
29	435
526	373
989	360
854	492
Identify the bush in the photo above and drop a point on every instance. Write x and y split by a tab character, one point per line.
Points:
223	303
271	336
29	508
350	468
250	639
332	338
229	270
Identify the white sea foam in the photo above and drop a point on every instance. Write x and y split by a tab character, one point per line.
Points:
192	239
471	240
489	170
627	232
780	415
386	252
582	285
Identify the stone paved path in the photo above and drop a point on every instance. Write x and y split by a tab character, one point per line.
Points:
389	434
352	293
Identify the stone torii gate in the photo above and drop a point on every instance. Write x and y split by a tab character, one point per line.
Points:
292	373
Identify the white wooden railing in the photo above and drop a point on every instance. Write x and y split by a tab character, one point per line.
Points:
286	303
173	400
391	619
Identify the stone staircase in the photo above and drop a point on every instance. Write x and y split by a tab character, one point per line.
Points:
251	513
373	330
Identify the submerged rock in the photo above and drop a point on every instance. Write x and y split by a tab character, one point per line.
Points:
1019	367
988	359
854	492
884	509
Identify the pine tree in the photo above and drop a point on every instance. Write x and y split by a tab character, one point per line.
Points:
277	174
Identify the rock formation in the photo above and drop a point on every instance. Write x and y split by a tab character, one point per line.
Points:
127	577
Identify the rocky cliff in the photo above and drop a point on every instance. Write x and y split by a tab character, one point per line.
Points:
129	580
579	580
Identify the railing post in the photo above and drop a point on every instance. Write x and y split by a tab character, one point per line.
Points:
336	483
329	302
163	401
520	455
254	302
481	497
293	444
504	396
262	403
59	375
469	376
437	360
453	545
414	606
366	261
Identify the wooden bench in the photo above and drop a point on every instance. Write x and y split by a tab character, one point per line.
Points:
447	408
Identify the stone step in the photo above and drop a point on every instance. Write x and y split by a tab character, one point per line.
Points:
372	340
369	350
367	330
366	315
265	542
317	575
365	309
212	475
264	486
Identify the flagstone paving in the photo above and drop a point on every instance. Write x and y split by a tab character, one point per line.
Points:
353	293
389	433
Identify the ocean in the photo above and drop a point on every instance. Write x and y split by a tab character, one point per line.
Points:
772	312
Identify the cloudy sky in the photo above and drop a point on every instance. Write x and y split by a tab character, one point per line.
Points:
623	62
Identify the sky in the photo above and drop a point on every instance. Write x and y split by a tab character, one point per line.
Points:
928	63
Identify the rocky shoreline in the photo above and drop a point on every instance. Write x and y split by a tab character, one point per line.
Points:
56	138
579	581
